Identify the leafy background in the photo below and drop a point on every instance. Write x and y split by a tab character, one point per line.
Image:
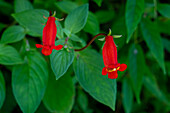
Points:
69	81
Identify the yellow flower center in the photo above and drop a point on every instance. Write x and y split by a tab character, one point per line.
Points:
111	70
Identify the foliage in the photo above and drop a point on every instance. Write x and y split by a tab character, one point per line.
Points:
72	81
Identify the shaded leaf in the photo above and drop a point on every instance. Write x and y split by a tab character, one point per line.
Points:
127	96
32	20
9	55
163	25
22	5
164	9
166	44
59	95
29	81
2	89
153	40
92	25
77	18
134	11
61	60
104	16
13	34
136	69
88	69
66	6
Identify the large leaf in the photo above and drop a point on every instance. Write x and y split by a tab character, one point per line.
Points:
13	34
127	96
2	89
134	11
88	69
92	25
77	18
22	5
66	6
59	30
9	55
150	83
153	40
61	60
136	69
59	95
164	9
105	16
29	81
32	20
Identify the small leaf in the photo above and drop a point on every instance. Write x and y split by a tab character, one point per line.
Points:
13	34
75	38
164	9
29	81
136	69
59	95
5	7
88	69
98	2
134	11
32	20
166	44
92	25
153	40
127	96
2	89
104	16
2	26
61	60
9	55
163	25
77	18
66	6
22	5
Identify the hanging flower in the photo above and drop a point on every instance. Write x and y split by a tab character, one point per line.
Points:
49	35
110	59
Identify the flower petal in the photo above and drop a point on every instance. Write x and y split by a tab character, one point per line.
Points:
38	45
46	51
57	47
122	67
104	72
113	75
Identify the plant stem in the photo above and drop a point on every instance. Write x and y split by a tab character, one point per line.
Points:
91	41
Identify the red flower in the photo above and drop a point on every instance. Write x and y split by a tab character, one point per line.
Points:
49	35
110	59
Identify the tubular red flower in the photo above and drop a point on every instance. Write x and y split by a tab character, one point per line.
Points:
110	59
49	35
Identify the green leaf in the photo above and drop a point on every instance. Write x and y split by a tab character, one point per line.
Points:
13	34
166	44
32	20
104	16
82	100
59	96
92	25
22	5
5	7
164	9
29	81
88	69
75	38
9	55
77	18
2	89
59	30
127	96
163	25
1	26
150	83
61	60
134	11
153	40
98	2
66	6
136	69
